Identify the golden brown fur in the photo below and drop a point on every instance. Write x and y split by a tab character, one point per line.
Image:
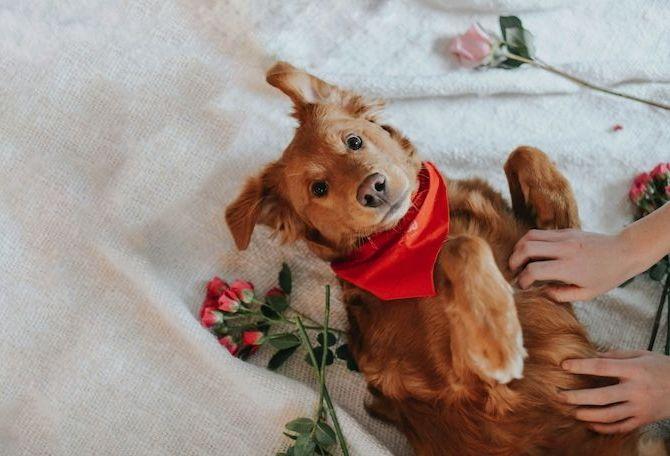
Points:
445	370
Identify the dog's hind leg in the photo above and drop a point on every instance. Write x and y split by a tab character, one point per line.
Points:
541	195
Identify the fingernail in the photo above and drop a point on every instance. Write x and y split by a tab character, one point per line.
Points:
565	365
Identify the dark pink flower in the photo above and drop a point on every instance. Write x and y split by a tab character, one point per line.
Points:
244	290
211	317
228	302
276	291
473	48
617	127
252	338
229	343
216	287
661	171
667	191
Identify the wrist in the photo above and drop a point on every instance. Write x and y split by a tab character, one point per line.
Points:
633	251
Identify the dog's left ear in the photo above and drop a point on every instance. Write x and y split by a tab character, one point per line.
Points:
260	202
301	87
304	89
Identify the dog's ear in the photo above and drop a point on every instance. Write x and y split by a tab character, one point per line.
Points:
304	89
260	202
301	87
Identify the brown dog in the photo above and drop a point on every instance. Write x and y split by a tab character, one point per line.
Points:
449	371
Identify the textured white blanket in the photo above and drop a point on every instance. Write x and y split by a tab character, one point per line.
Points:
126	127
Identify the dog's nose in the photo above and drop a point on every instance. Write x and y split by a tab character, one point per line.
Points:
372	192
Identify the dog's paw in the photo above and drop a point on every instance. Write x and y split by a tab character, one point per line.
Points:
509	369
498	352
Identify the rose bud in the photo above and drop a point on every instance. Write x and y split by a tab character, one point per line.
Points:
473	48
276	291
244	290
228	302
661	171
667	191
208	303
252	337
216	287
636	193
211	318
229	343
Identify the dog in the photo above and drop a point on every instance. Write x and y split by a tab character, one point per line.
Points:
475	368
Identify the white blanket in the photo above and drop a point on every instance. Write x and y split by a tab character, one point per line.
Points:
126	128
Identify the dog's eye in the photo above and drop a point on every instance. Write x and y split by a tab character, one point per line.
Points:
354	142
319	189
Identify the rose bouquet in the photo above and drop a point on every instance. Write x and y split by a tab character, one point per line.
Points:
480	48
649	192
243	324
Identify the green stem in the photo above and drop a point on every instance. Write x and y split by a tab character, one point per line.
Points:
324	353
583	82
326	395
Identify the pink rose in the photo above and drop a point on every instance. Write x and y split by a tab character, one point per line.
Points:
473	48
252	337
229	343
276	291
642	179
661	171
244	290
211	317
216	287
228	302
667	191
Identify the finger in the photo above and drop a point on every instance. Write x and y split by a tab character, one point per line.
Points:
614	428
596	396
567	293
609	414
535	250
623	354
541	270
604	367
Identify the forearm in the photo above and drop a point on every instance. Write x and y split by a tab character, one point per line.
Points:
646	241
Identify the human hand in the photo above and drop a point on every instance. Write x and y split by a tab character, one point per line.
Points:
642	395
588	264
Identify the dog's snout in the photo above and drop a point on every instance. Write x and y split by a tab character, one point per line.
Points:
372	191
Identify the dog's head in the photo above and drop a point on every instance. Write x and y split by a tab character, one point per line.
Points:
343	177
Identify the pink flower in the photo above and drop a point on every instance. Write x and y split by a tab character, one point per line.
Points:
229	343
642	179
252	337
244	290
228	302
473	48
211	317
667	191
216	287
276	291
661	171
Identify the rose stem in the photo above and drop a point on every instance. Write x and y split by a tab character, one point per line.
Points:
325	350
583	82
326	395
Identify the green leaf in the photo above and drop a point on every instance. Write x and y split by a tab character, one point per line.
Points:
278	302
300	425
304	446
285	280
520	42
507	22
290	436
332	338
270	313
290	452
343	352
658	271
318	352
352	366
324	434
279	358
283	340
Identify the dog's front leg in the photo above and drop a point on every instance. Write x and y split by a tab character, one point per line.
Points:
486	336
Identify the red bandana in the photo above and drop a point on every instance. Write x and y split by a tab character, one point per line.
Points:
398	263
